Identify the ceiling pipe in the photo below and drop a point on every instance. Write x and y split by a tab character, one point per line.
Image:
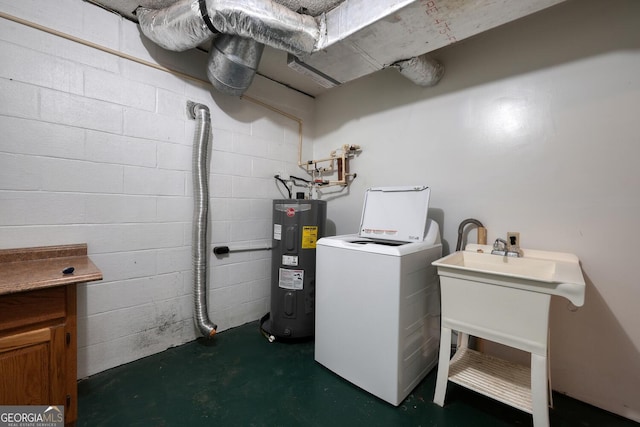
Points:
233	62
246	26
269	23
185	24
422	70
178	27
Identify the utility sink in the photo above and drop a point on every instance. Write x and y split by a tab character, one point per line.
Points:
505	300
554	273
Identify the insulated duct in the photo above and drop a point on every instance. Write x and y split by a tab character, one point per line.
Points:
178	27
185	25
350	39
201	113
364	36
421	70
247	25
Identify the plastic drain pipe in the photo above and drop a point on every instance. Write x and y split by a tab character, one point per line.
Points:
201	114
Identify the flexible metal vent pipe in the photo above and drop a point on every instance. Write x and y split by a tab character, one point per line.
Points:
200	168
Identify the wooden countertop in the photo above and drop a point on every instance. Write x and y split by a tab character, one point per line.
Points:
26	269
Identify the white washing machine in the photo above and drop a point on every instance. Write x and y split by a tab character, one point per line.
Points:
377	295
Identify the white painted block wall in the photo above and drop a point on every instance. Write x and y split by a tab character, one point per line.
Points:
97	149
534	128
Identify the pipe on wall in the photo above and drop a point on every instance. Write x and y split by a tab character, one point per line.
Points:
201	114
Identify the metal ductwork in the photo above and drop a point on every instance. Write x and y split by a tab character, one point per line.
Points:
188	23
233	61
353	39
246	26
178	27
364	36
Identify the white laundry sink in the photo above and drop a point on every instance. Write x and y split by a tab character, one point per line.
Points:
554	273
505	300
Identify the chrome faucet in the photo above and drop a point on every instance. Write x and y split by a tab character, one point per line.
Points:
503	248
500	247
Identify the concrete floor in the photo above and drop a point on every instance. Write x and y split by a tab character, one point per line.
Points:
240	379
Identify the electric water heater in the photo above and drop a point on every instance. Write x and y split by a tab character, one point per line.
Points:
297	225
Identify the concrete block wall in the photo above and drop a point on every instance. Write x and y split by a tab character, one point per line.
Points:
96	148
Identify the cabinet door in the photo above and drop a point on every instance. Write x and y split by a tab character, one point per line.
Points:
32	364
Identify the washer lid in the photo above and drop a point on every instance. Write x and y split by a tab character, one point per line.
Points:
395	213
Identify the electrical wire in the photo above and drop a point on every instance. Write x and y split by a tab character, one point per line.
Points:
300	179
277	177
295	179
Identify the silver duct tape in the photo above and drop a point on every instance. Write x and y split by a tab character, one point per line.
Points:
422	70
267	22
178	27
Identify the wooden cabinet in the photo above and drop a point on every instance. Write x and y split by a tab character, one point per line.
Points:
38	347
29	355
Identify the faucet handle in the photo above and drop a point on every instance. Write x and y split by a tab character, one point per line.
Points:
500	244
499	247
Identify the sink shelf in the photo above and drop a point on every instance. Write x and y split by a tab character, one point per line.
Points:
504	381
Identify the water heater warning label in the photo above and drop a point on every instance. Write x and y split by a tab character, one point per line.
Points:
291	279
290	260
309	237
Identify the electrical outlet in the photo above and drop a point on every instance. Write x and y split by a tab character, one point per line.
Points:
513	237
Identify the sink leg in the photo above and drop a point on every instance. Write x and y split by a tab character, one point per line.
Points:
443	366
539	390
463	340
